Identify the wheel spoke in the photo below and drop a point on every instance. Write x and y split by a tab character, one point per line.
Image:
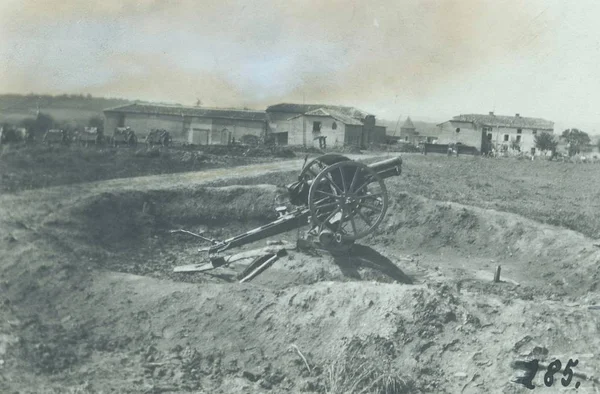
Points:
353	180
343	180
322	200
328	194
330	178
331	204
363	186
353	224
363	217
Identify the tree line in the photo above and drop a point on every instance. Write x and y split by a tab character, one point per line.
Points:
43	122
577	141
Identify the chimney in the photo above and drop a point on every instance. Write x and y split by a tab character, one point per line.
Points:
491	112
517	115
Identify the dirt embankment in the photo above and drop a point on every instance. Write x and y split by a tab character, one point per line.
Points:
80	317
531	253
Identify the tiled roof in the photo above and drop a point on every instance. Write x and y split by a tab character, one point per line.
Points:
506	121
304	108
331	113
178	110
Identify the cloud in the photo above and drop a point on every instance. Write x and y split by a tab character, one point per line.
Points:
257	52
150	78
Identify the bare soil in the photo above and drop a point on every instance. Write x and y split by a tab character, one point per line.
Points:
90	302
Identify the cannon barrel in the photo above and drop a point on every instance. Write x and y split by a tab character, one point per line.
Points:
387	168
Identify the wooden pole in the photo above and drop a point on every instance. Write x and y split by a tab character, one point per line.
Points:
497	275
304	130
260	269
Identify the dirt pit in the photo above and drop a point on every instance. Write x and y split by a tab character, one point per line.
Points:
130	232
91	302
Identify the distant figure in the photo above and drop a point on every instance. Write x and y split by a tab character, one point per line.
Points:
322	142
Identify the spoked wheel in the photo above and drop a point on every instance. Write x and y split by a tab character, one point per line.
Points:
309	173
349	199
318	164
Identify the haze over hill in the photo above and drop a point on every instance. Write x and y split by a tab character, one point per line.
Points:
65	108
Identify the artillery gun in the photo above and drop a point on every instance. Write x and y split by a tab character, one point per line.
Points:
123	135
342	200
89	135
57	136
158	137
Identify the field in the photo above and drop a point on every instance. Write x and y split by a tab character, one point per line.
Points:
90	302
26	168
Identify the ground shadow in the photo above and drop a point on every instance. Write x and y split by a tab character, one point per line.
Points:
359	256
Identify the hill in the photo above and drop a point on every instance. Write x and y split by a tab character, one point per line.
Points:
71	108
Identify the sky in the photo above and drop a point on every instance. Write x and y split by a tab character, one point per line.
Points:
430	60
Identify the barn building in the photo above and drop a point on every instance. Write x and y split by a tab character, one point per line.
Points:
194	125
485	132
311	124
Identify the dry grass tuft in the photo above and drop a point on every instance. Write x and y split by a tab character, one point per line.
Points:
356	373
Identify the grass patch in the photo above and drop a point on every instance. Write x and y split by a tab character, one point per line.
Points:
359	370
561	194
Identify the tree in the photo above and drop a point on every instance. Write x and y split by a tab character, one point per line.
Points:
67	125
39	125
545	142
96	121
576	139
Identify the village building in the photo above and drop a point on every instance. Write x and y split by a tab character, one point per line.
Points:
194	125
413	134
408	132
322	125
486	132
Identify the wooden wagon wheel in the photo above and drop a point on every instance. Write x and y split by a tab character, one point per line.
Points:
349	199
318	164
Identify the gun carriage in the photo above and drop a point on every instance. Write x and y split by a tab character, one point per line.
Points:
342	200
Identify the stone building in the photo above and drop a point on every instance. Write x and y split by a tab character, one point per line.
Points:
408	132
308	124
485	132
194	125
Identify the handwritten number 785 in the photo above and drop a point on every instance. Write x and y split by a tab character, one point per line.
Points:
554	367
